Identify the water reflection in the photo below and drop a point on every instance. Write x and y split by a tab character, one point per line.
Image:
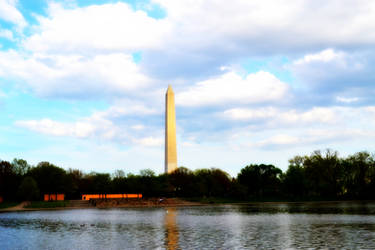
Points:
311	208
171	229
262	225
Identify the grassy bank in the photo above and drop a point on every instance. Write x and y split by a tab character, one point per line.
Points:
214	200
47	204
220	200
7	204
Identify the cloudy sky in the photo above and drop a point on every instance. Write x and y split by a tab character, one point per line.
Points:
82	82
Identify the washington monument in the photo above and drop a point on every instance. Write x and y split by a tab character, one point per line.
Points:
170	132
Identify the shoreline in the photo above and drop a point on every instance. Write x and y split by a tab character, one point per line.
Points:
13	209
109	204
176	203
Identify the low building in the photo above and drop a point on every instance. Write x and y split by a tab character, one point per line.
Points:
110	196
54	197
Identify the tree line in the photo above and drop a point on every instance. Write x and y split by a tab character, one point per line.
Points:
319	176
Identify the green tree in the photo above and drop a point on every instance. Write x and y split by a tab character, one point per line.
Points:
358	175
294	180
220	182
182	181
261	180
147	183
119	174
323	173
9	181
202	183
102	183
28	190
73	184
50	178
20	166
147	173
211	183
120	185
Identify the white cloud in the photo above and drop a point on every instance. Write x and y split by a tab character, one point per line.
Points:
277	116
74	75
6	34
327	60
313	128
315	137
207	34
249	114
271	118
10	13
103	125
326	55
149	141
113	27
232	88
197	37
124	108
370	109
49	127
188	144
347	99
88	49
323	115
336	74
91	127
138	127
281	139
271	25
84	52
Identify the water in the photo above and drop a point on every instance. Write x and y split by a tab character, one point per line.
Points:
277	226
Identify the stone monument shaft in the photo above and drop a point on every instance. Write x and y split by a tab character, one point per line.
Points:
170	132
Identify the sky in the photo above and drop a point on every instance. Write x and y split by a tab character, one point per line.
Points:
83	82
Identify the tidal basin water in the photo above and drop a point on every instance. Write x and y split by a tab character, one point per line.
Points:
299	225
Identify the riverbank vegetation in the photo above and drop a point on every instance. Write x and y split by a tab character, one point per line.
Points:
319	176
46	204
7	204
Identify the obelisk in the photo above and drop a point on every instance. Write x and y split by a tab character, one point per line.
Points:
170	132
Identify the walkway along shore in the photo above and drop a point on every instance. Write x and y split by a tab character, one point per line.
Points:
109	203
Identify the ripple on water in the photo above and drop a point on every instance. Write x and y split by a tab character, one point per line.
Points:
263	225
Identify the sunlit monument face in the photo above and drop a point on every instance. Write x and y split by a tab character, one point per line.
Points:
170	132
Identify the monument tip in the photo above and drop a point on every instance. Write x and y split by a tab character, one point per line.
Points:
169	88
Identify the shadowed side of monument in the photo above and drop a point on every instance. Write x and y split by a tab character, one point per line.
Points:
170	132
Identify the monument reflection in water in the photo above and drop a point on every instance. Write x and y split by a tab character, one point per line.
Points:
171	229
332	225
